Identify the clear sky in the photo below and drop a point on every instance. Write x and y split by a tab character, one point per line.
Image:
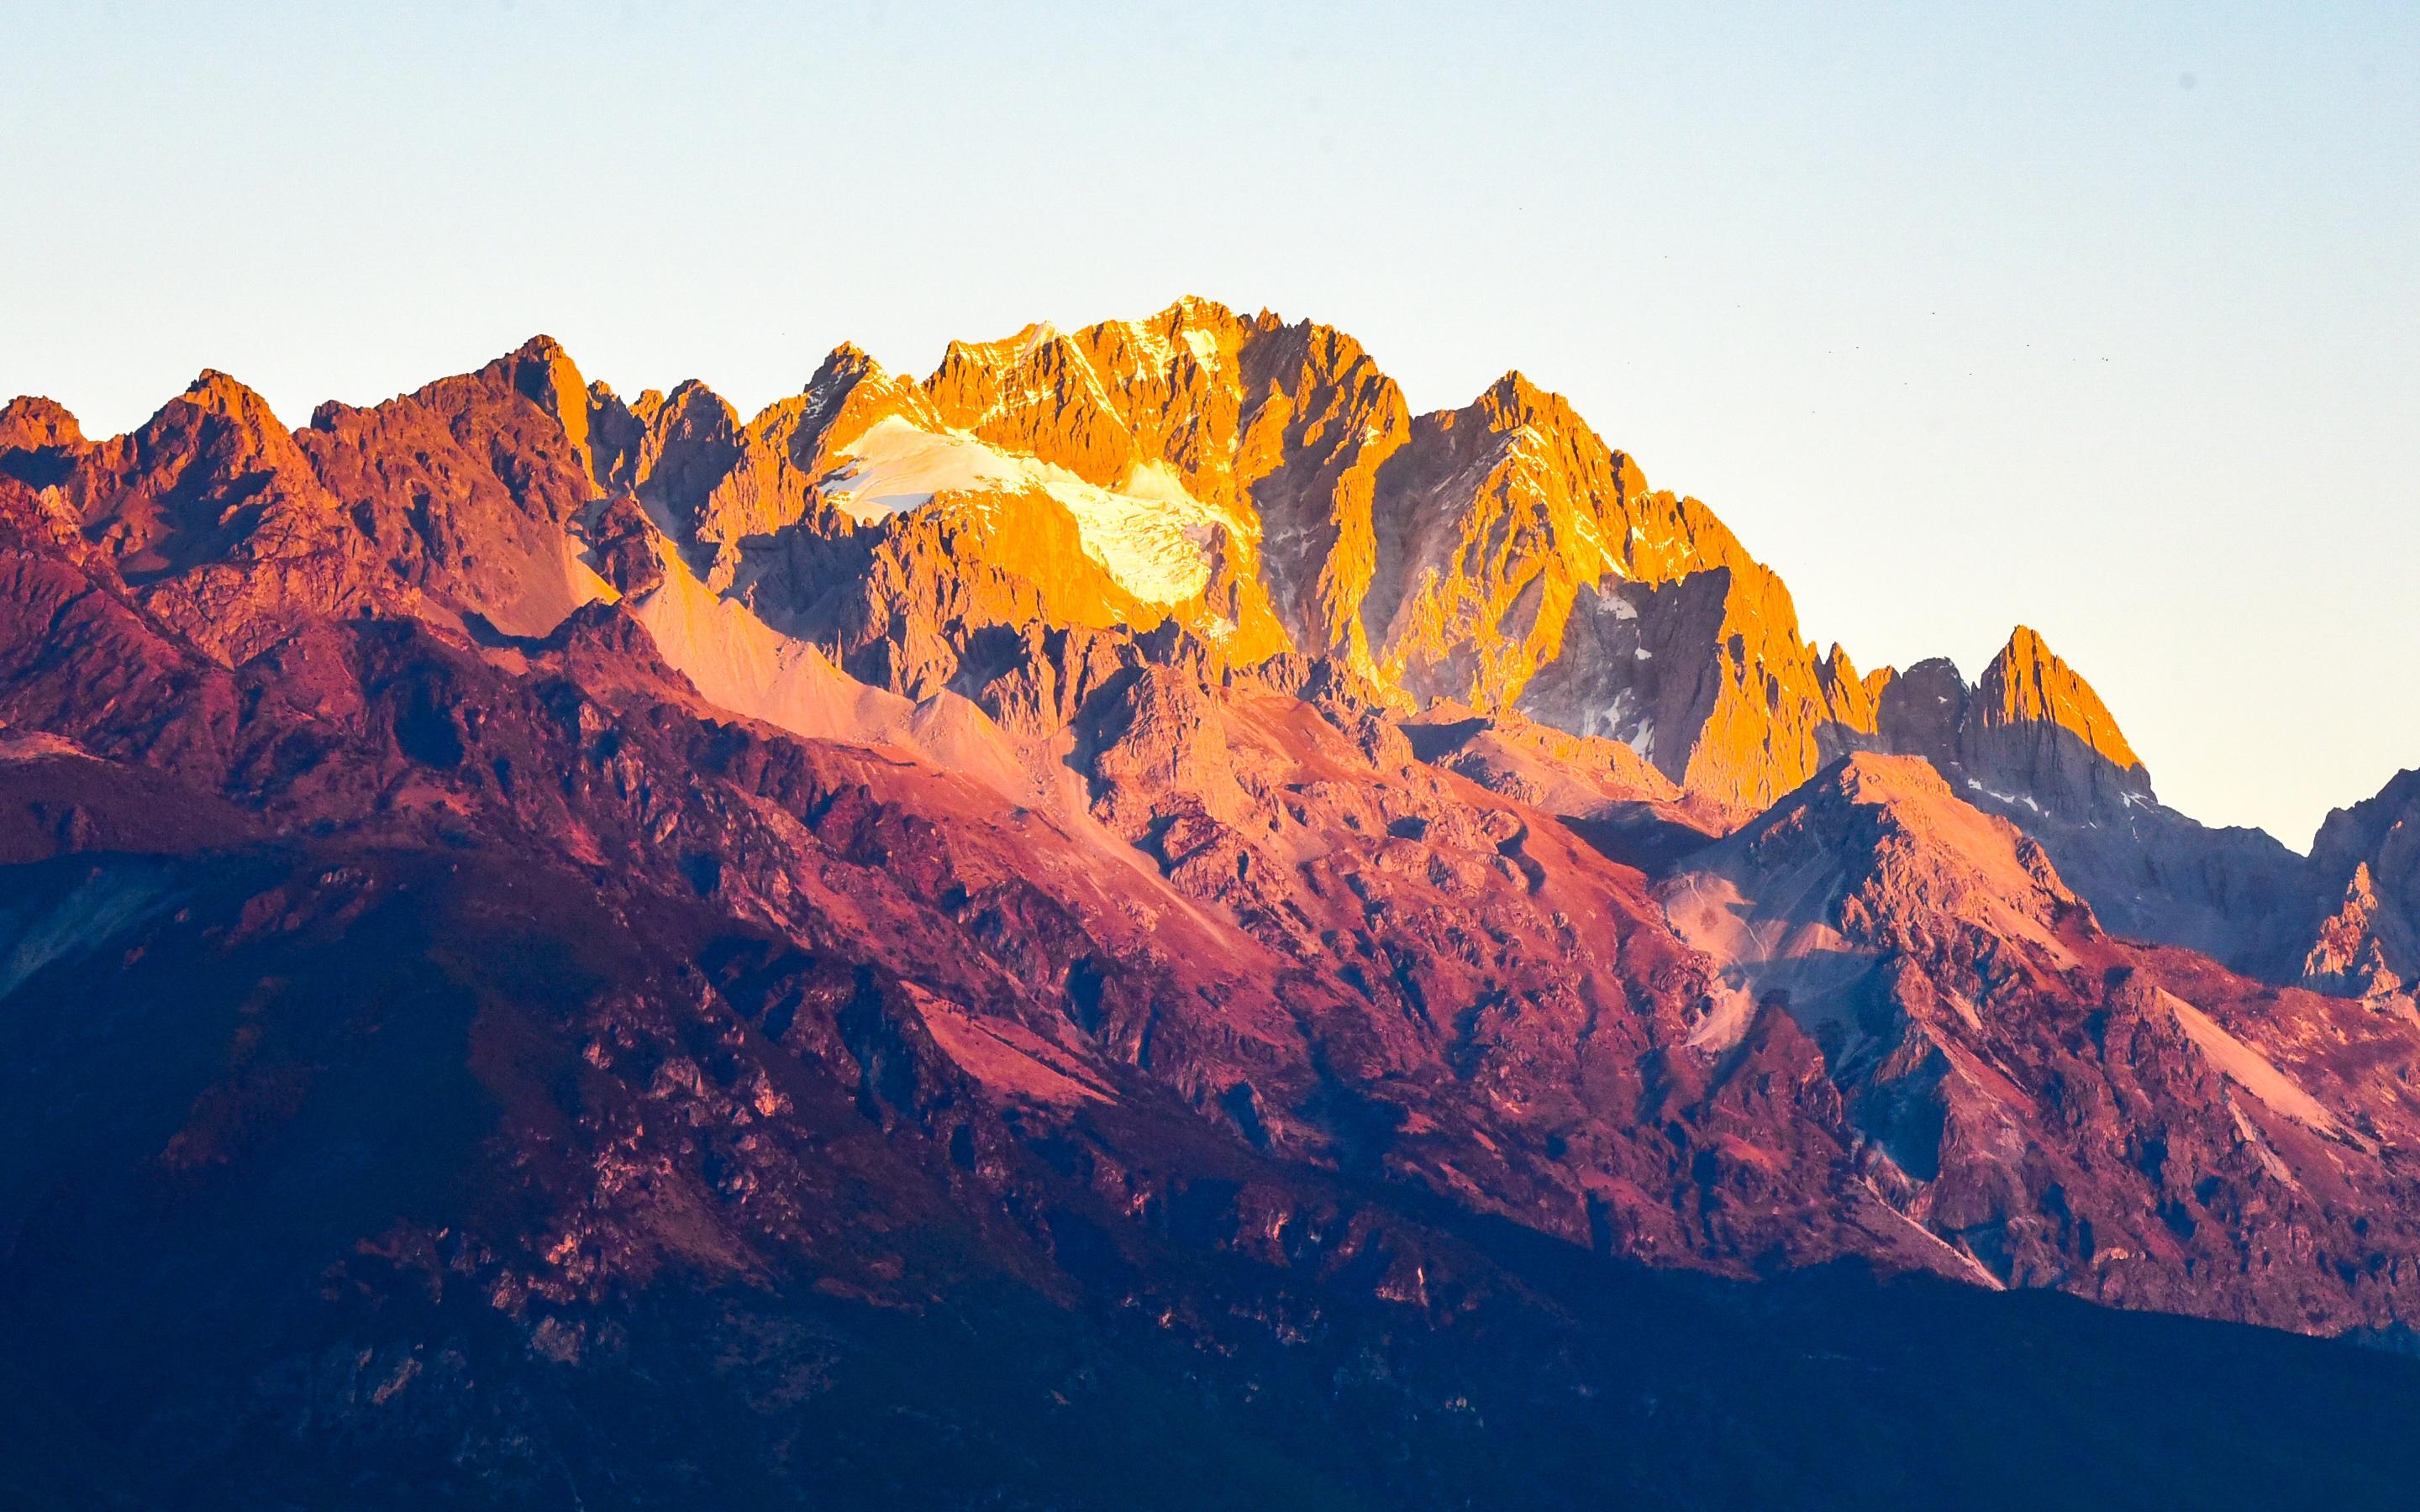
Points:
2104	318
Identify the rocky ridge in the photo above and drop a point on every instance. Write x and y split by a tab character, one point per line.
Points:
1145	790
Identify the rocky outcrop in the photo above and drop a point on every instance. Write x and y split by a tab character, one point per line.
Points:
1707	678
39	440
2363	930
210	511
2363	949
468	488
2030	728
2034	721
1947	977
2031	741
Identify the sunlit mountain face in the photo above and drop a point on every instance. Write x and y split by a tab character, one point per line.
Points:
1127	922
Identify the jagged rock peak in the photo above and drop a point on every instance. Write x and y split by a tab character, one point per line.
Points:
1922	711
2359	946
694	395
850	393
2029	682
848	366
217	393
2367	936
1004	349
31	421
542	369
846	357
2361	828
1515	395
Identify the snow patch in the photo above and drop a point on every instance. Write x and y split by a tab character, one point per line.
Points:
2006	800
897	466
1729	1013
1149	534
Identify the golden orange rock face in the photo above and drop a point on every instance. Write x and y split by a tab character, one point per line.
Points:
1260	484
1257	484
2027	686
1500	555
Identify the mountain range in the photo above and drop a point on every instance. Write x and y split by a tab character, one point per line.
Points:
1129	904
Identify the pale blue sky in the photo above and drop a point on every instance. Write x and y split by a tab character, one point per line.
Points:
2106	319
